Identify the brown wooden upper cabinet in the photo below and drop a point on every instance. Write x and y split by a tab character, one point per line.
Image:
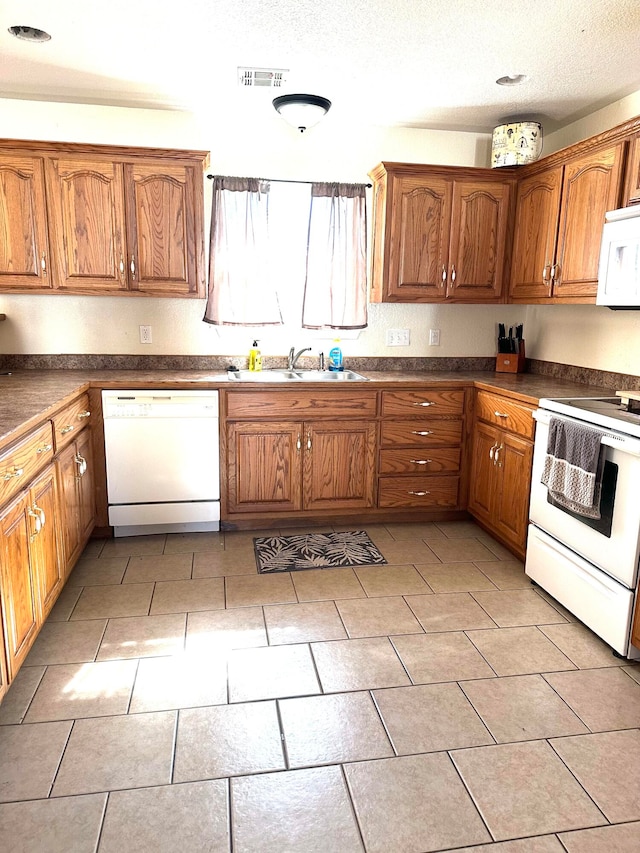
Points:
439	235
102	220
558	226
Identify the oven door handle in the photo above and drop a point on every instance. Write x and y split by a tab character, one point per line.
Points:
624	443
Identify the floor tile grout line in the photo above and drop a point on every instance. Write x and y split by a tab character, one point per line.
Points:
574	776
372	696
60	760
102	821
354	812
475	803
283	737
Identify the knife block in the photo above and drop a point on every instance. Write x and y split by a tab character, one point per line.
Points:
511	362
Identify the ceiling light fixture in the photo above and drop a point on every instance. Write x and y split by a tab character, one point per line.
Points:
511	80
29	33
302	111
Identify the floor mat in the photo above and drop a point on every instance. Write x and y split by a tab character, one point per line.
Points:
315	551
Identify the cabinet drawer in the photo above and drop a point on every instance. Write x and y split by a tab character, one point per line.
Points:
21	463
434	492
307	405
68	423
421	433
412	461
509	414
416	403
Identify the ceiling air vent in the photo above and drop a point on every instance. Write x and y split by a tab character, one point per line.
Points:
262	78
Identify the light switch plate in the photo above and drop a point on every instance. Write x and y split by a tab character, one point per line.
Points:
434	337
398	337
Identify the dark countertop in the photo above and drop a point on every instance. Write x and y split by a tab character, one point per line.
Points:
28	397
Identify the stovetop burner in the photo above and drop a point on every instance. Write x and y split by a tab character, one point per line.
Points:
608	412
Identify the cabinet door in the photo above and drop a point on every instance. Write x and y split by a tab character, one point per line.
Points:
67	470
591	186
339	465
85	485
535	234
24	248
86	218
483	472
632	184
264	467
511	509
418	239
19	591
46	553
162	223
478	236
4	675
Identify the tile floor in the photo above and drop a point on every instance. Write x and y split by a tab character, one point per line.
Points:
176	700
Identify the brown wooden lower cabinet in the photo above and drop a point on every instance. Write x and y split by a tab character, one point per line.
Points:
77	498
4	676
289	466
30	564
500	483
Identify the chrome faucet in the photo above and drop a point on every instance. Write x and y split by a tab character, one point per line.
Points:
294	356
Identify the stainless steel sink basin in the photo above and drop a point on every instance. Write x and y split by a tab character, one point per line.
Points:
262	376
276	375
331	376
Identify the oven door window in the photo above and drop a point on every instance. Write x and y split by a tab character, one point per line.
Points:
607	500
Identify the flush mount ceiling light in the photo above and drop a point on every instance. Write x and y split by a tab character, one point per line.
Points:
511	79
29	33
302	111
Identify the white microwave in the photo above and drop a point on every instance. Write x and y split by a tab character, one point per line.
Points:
619	269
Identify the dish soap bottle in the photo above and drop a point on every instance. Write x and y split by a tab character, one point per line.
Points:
255	357
335	356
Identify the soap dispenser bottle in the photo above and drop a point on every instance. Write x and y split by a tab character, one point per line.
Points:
335	356
255	357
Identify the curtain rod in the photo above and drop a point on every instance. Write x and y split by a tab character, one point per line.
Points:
285	181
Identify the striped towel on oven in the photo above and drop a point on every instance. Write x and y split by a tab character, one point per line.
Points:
573	467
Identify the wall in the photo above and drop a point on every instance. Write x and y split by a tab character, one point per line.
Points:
258	142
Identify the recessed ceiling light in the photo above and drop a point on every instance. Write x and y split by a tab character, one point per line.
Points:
511	79
29	33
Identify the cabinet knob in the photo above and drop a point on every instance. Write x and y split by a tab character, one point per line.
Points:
13	472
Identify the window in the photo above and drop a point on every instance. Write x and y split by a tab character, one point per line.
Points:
287	253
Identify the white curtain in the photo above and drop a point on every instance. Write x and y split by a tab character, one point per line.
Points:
335	294
241	287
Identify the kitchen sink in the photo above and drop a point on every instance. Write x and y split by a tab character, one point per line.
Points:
331	376
263	376
277	375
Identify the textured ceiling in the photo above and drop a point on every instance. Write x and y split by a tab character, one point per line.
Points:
420	63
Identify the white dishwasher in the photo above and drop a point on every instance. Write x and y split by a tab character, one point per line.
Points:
163	461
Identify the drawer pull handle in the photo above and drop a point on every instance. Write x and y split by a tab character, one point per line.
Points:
424	404
13	472
82	415
501	414
66	429
495	456
38	522
421	461
43	264
493	450
308	441
419	494
45	448
298	443
421	431
81	462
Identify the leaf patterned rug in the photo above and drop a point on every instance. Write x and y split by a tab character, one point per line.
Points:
315	551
